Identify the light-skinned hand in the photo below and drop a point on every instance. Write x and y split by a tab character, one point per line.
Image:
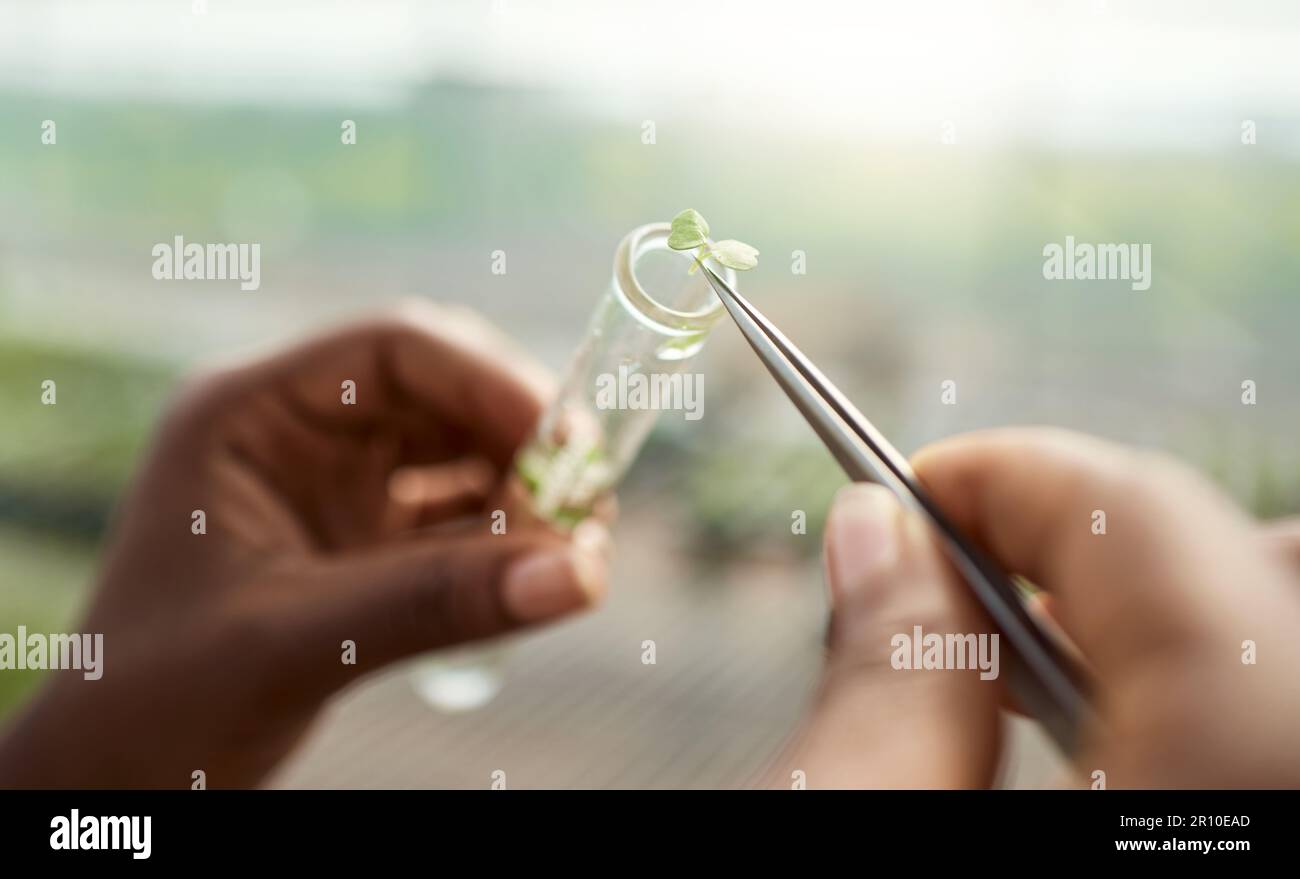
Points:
1159	605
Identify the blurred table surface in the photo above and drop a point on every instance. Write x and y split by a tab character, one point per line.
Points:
737	653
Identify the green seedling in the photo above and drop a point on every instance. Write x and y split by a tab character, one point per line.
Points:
690	231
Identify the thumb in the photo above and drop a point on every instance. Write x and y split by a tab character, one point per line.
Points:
876	724
413	598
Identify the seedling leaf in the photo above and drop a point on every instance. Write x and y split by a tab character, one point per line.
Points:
689	229
734	254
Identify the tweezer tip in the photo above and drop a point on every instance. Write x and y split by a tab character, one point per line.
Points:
719	286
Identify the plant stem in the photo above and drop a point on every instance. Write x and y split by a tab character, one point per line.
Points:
700	256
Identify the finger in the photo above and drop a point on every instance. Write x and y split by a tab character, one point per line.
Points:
1282	537
414	597
1144	579
420	497
606	508
486	384
421	367
877	724
1038	605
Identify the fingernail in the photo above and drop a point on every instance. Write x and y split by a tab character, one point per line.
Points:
861	537
594	537
550	583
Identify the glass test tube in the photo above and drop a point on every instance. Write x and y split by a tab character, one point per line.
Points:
653	318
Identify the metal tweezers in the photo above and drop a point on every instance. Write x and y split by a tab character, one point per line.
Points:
1044	678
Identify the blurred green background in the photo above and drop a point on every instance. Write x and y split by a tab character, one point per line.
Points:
923	257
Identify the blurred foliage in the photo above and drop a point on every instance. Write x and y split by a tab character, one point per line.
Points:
61	466
44	579
86	444
788	478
